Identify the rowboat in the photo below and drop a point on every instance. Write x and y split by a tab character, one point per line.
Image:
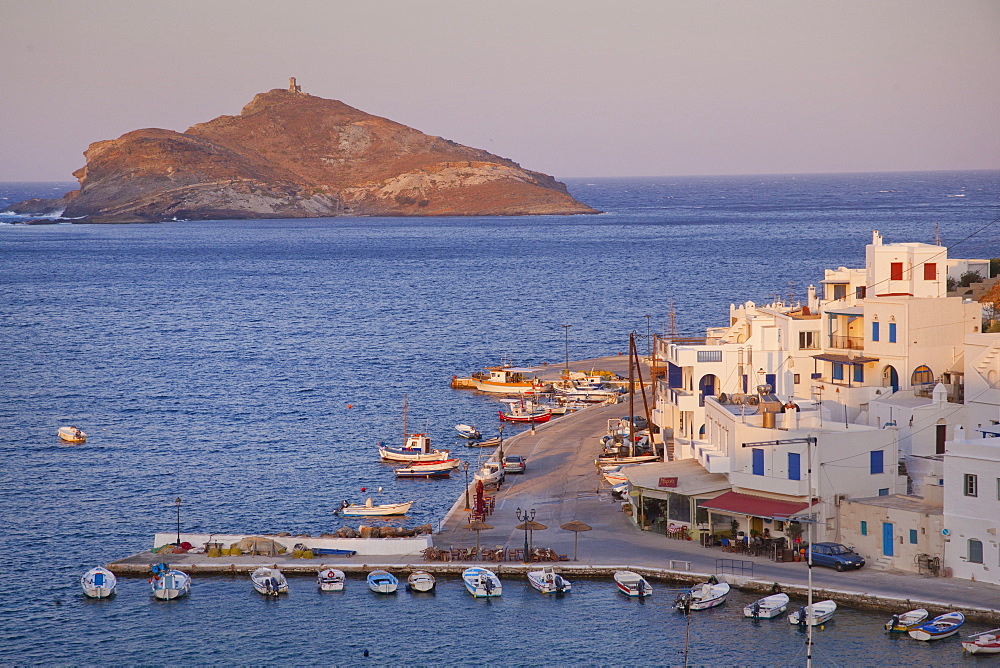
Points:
468	431
940	627
98	582
814	615
768	607
420	581
987	642
485	443
72	434
704	596
548	581
632	584
355	510
331	579
382	582
269	581
168	583
481	583
906	621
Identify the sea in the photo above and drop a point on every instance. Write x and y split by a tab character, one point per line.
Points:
248	368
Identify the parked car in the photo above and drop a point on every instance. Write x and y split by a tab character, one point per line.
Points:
514	464
639	420
836	556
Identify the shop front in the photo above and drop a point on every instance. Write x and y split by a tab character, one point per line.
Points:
668	497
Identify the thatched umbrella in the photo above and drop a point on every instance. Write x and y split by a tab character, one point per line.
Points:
477	526
532	526
576	526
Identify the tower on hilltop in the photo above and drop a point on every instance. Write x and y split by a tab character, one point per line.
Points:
293	87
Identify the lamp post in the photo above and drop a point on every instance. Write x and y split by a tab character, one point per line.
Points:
178	502
566	330
649	341
525	516
465	467
501	445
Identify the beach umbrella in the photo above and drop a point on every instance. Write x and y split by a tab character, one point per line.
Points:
576	526
531	526
477	526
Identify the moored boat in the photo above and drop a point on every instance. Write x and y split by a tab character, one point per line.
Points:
484	443
704	596
72	434
482	583
526	411
269	581
940	627
331	579
435	469
906	621
509	380
169	583
420	581
548	581
767	607
814	615
98	582
416	447
382	582
987	642
356	510
632	584
468	431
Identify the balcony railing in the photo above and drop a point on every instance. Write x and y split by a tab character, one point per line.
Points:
709	355
847	342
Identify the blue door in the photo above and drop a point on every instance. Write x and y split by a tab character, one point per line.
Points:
758	461
887	539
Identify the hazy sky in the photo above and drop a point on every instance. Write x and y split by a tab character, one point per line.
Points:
570	88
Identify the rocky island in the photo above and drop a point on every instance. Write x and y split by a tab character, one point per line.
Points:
293	155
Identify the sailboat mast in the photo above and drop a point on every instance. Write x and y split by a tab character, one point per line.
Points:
631	395
405	435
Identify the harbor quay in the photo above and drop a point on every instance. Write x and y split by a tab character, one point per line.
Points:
561	484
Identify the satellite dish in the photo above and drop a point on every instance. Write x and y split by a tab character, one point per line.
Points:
753	401
723	398
739	398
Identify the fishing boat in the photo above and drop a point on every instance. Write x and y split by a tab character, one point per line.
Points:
940	627
98	582
485	443
331	579
814	615
421	472
527	411
491	473
370	509
632	584
481	583
382	582
72	434
468	431
269	581
508	379
416	447
168	583
987	642
768	607
548	581
704	596
420	581
906	621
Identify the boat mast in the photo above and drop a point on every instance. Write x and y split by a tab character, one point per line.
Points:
631	396
405	435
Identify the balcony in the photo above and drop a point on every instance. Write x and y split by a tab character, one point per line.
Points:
847	342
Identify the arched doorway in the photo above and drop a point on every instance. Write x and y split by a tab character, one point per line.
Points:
890	378
707	387
922	375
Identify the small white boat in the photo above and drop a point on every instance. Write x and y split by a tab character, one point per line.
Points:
704	596
420	581
492	473
548	581
940	627
484	443
269	581
438	469
169	583
767	607
468	431
416	448
370	509
632	584
987	642
331	579
481	583
637	459
98	582
72	434
525	411
382	582
814	615
906	621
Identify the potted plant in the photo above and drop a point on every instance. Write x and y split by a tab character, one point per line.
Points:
734	528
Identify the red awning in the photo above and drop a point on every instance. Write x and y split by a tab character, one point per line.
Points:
754	506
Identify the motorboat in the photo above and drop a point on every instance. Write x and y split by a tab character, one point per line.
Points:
940	627
435	469
72	434
987	642
548	581
814	615
98	582
527	411
632	584
370	509
906	621
382	582
416	447
169	583
491	473
468	431
331	579
481	583
269	581
704	596
767	607
420	581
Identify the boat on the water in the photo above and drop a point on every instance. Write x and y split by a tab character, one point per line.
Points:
632	584
767	607
527	411
98	582
814	615
987	642
331	579
468	431
940	627
269	581
382	582
484	443
482	583
416	447
704	596
436	469
169	583
370	509
906	621
420	581
548	581
72	434
506	379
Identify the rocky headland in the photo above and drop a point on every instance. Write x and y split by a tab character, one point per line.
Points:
293	155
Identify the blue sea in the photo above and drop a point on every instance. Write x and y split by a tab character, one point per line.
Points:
249	367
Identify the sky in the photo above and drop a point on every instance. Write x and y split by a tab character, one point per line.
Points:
575	88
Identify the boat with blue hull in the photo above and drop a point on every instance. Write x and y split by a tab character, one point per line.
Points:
382	582
942	626
482	583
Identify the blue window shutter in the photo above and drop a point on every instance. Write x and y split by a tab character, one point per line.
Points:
892	332
859	373
913	536
864	528
794	466
758	461
838	371
875	331
876	462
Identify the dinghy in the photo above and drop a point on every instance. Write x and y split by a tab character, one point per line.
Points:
703	596
98	582
331	579
382	582
768	607
548	581
468	431
269	581
420	581
72	434
814	615
482	583
632	584
940	627
986	642
369	509
906	621
169	583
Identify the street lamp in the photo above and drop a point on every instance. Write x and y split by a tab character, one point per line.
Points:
649	341
501	444
566	330
525	516
178	502
465	467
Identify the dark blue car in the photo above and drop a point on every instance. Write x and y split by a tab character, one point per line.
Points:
836	556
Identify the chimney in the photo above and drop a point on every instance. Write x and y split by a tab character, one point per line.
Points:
876	238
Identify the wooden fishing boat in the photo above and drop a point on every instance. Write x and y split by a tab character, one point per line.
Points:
987	642
482	583
369	509
468	431
940	627
416	447
169	583
704	596
768	607
906	621
484	443
814	615
269	581
548	581
632	584
420	581
382	582
509	380
72	434
331	579
525	411
98	582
